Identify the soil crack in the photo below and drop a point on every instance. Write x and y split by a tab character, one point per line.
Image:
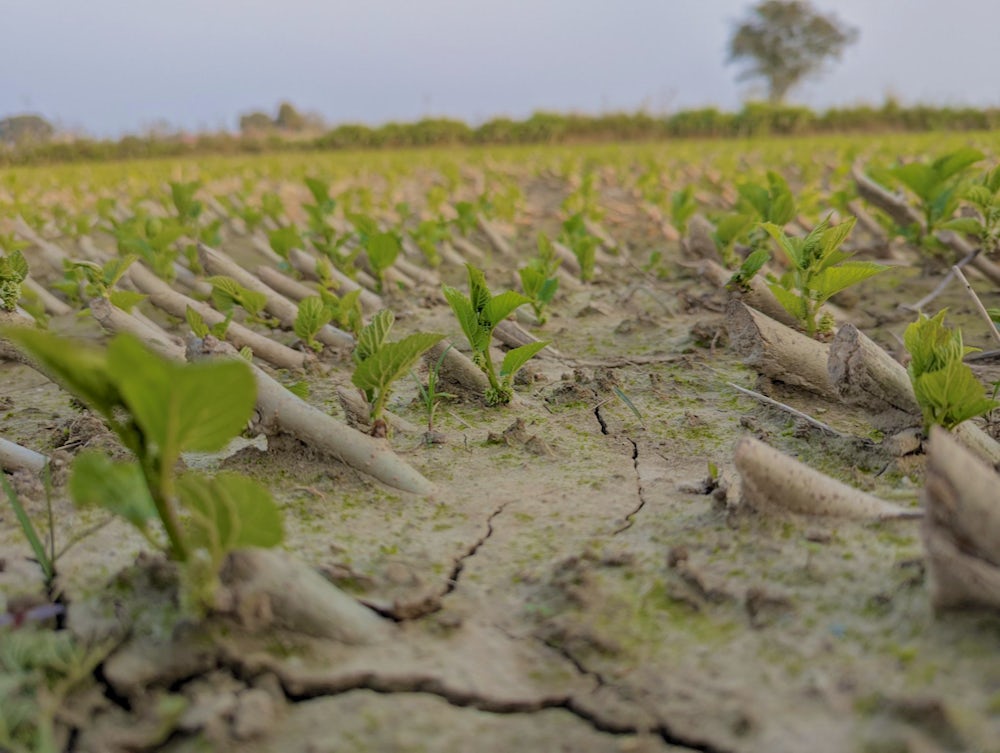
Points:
600	420
630	518
456	571
435	686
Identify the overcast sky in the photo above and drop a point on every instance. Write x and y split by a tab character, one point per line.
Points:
114	66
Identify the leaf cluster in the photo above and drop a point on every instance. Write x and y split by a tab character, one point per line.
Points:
583	245
13	271
160	409
478	315
819	270
947	390
938	185
538	278
379	363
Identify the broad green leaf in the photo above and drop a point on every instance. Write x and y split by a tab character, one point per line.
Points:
967	225
479	292
227	512
392	361
80	368
792	303
831	281
363	224
225	292
756	196
312	315
501	306
516	358
126	300
383	248
253	301
921	179
97	481
372	336
181	407
730	227
196	322
548	291
834	236
751	266
955	162
466	316
791	249
284	239
953	393
18	264
532	280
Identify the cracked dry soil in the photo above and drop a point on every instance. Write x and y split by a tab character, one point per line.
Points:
578	583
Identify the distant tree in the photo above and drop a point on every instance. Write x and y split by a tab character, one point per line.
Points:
785	42
20	129
255	122
289	119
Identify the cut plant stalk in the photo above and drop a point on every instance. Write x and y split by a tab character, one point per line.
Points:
773	481
864	374
14	457
961	530
778	352
756	293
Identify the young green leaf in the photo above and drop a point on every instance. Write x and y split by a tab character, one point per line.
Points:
227	512
392	361
181	407
516	358
97	481
373	336
81	368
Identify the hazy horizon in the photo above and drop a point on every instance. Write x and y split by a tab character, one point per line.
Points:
111	67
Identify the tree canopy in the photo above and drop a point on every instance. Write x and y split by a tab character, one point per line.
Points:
785	42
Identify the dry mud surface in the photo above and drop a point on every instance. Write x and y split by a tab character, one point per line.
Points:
578	582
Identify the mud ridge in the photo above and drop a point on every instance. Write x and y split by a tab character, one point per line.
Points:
434	686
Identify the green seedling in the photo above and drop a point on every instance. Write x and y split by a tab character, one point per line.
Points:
159	409
382	250
583	245
227	294
345	310
467	217
152	239
312	316
478	315
379	363
984	198
283	240
819	270
428	236
682	208
729	228
773	203
201	329
538	278
100	281
938	186
13	272
430	396
946	389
